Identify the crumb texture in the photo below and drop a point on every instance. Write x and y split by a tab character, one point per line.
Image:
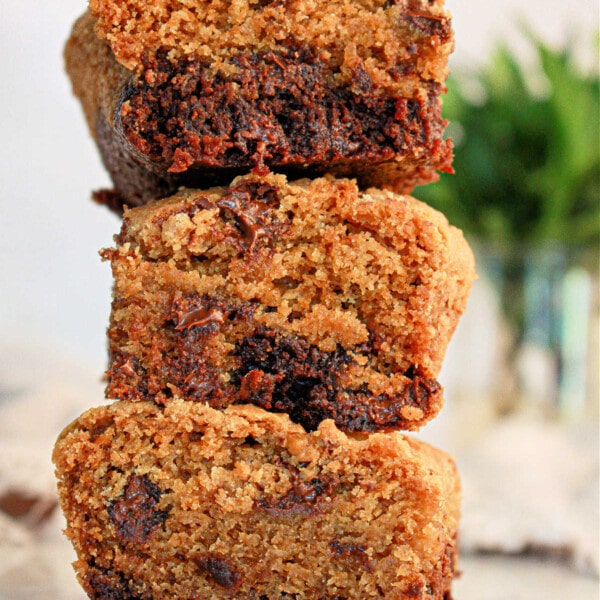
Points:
386	38
308	297
189	502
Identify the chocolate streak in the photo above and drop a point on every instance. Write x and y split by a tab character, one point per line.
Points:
278	373
286	374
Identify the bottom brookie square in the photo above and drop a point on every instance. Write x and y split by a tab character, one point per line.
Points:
185	501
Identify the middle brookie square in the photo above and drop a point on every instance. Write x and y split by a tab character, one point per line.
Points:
309	297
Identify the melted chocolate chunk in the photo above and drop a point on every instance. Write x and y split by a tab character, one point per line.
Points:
414	590
351	551
220	570
196	436
250	204
205	313
286	374
286	283
340	549
134	514
100	427
304	497
105	584
199	317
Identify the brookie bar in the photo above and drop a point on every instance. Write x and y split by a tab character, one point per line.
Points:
188	502
309	297
194	93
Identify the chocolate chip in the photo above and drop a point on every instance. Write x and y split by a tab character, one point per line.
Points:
135	514
106	584
250	441
198	312
199	318
351	551
286	283
196	436
220	570
101	427
304	496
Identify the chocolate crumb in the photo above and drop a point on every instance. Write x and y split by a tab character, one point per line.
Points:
304	496
106	584
220	570
352	551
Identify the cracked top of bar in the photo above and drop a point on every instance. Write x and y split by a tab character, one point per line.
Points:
307	297
195	93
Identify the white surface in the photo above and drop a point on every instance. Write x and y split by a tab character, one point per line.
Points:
533	487
53	285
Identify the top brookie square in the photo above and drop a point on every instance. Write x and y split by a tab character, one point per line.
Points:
193	93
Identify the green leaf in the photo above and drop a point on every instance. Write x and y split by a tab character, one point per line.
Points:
527	163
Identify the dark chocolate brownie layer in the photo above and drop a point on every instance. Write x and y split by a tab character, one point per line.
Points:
280	110
186	122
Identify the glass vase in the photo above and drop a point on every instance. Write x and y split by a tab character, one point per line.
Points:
529	341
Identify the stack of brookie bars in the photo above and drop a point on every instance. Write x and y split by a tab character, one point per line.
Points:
281	309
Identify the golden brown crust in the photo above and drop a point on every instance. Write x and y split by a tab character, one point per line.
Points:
307	297
378	34
188	502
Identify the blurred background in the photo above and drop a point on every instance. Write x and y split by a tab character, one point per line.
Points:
521	374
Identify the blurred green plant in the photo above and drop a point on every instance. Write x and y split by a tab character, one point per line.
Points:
527	159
